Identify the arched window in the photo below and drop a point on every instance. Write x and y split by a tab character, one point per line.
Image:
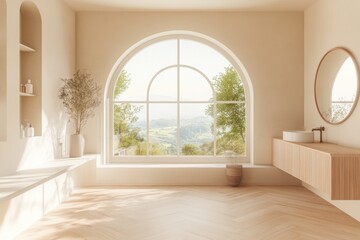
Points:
177	99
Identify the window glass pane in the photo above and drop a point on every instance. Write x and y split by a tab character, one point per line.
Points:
196	134
228	86
144	65
230	124
129	134
164	86
202	57
163	129
198	122
193	86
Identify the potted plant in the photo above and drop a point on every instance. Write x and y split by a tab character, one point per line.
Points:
80	96
233	169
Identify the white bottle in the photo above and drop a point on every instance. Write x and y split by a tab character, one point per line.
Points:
29	130
66	145
29	87
22	131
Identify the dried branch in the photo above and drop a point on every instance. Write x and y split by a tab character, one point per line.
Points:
80	96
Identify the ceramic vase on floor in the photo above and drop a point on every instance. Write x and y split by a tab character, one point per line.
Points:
234	174
77	144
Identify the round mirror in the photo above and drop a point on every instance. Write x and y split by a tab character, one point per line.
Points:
336	85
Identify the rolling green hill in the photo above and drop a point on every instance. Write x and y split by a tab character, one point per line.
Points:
195	131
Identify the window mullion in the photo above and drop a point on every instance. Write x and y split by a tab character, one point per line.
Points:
109	128
178	98
147	129
187	101
215	127
148	120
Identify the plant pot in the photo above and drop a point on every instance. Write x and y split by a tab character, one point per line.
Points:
77	144
234	174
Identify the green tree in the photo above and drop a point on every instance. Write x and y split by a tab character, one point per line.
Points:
230	117
124	115
190	149
154	149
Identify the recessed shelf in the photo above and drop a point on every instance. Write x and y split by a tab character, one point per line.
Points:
26	94
30	105
24	48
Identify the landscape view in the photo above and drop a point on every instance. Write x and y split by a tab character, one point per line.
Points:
196	122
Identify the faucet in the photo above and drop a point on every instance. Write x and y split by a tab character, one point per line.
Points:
320	129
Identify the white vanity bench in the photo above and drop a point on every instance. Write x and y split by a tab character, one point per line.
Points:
27	195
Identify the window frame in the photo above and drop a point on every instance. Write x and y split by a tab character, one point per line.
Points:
110	101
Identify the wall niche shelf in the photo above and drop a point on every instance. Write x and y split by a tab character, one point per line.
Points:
24	48
26	94
30	50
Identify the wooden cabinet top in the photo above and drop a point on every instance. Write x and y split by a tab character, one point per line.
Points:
333	150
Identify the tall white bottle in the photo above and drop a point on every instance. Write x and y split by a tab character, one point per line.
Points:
29	130
66	145
29	87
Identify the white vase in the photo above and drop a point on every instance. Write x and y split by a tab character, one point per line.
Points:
77	144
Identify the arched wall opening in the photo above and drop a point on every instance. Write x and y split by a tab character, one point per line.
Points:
130	52
31	66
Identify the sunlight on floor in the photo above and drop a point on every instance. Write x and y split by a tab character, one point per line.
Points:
194	213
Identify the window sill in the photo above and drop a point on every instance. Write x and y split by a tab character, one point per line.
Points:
185	175
177	165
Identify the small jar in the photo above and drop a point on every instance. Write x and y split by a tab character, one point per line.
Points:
22	88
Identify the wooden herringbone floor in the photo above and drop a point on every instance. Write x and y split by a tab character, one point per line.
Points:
194	213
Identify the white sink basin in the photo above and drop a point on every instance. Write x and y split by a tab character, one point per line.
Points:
298	136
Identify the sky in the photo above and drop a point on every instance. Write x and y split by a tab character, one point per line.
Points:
193	86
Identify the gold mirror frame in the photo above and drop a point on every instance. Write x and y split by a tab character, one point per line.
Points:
357	89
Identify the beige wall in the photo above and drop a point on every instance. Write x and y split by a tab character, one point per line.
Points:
2	70
328	24
269	45
58	56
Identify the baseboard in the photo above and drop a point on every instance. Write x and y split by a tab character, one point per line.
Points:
145	175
